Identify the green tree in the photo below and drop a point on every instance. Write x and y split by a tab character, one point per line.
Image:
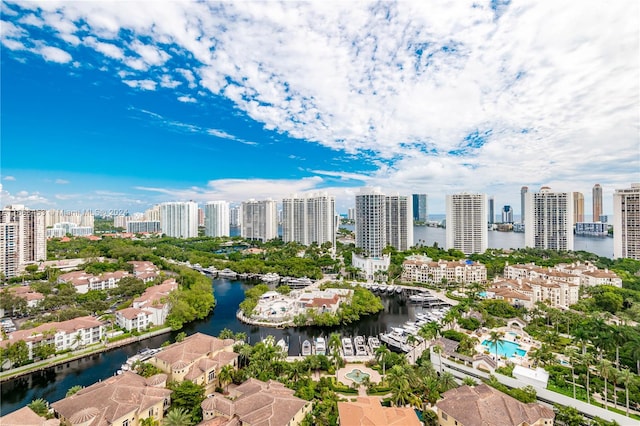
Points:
188	396
178	417
40	407
226	333
226	376
181	336
73	390
495	337
382	354
18	352
625	377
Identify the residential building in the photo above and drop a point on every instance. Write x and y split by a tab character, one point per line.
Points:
309	219
578	207
259	220
492	214
83	281
626	222
597	203
144	227
56	232
351	213
477	405
255	402
152	214
557	294
549	220
23	239
144	270
200	216
523	192
467	222
179	219
399	222
32	297
25	416
507	214
420	208
122	400
78	217
198	358
594	229
71	334
235	217
216	219
151	308
368	411
422	269
371	224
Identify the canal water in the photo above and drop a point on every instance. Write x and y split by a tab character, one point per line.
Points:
53	383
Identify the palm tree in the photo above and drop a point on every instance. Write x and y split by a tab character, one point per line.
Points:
571	354
430	330
586	360
625	377
399	385
469	381
495	337
296	370
73	390
605	372
447	381
177	417
335	344
39	406
382	353
438	349
225	376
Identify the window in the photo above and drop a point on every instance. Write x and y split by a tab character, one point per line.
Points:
212	375
444	415
125	422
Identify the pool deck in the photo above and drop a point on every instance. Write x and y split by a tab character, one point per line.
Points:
525	342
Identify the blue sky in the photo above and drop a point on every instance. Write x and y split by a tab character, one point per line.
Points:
111	105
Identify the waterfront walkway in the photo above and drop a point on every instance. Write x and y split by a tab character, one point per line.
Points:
76	354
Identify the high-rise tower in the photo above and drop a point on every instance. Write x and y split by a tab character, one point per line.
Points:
523	192
216	219
578	207
399	223
259	220
492	212
308	219
549	220
179	219
467	223
597	203
626	222
420	207
371	231
23	238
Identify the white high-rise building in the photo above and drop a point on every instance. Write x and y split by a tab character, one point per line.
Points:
78	217
549	220
523	194
23	238
467	222
179	219
235	216
259	220
216	219
399	221
626	222
309	218
152	214
351	213
371	230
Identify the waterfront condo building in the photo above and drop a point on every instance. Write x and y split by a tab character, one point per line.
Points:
420	207
467	222
216	219
507	214
492	212
179	219
144	227
23	239
549	220
597	203
523	192
399	226
371	231
152	214
578	207
309	219
626	222
78	217
259	220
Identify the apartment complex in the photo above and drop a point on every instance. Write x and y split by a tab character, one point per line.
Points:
422	269
626	222
309	219
259	220
149	309
578	207
144	227
179	219
492	213
507	214
523	195
216	219
83	281
77	217
371	226
23	239
399	222
467	222
549	220
420	212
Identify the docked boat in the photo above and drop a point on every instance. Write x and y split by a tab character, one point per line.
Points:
374	343
391	289
374	287
270	277
283	346
398	290
361	349
306	348
321	346
347	346
227	273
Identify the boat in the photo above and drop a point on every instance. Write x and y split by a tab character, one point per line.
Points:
398	290
283	345
321	347
374	343
347	346
270	277
306	348
361	349
391	289
374	287
227	273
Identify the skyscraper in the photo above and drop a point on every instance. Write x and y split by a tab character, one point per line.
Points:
308	219
23	238
216	219
399	223
259	220
179	219
549	220
371	228
597	203
523	192
626	222
420	207
492	213
467	222
507	214
578	207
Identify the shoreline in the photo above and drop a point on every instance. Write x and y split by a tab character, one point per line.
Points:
82	353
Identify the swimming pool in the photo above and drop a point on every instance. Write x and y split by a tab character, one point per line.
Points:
506	349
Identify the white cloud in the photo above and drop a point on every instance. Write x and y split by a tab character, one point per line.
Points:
151	55
168	82
141	84
54	54
9	178
187	99
29	199
107	49
61	181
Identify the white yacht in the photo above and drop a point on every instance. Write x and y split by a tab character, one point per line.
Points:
359	343
374	343
321	347
283	345
306	348
347	346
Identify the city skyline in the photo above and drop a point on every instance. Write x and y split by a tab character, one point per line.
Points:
107	107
